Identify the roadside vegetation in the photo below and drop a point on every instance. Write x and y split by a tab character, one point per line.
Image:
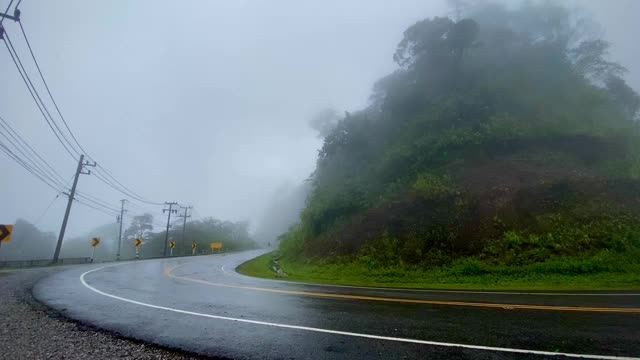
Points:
29	243
503	152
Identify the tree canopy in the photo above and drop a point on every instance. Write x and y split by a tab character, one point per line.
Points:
502	83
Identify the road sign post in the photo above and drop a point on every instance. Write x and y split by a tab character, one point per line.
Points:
5	233
172	244
193	249
216	246
137	242
94	243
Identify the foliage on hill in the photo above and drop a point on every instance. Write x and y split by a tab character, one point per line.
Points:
28	243
506	138
234	235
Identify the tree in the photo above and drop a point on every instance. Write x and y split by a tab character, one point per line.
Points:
140	227
28	243
466	90
324	121
589	59
624	96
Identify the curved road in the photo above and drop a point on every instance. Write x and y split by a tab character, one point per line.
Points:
202	305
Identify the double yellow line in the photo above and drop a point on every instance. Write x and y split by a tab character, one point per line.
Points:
169	273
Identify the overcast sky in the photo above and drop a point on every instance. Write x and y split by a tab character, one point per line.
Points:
206	102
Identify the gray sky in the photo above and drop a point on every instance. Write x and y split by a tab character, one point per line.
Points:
206	102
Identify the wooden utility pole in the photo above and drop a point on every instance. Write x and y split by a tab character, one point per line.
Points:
120	220
184	224
79	170
169	210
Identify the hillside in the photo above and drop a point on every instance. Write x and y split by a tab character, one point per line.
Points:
504	139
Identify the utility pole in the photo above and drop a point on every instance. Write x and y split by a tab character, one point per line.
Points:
79	170
15	17
120	218
166	237
185	216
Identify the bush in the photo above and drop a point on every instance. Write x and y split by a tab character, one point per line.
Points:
430	186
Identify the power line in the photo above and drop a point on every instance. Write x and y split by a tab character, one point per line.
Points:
26	166
147	210
127	191
46	210
96	199
7	11
29	162
122	188
95	208
107	178
34	94
32	165
97	203
24	145
102	177
46	86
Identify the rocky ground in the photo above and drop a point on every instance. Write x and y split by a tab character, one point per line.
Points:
29	330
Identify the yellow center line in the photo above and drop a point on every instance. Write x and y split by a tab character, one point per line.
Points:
169	273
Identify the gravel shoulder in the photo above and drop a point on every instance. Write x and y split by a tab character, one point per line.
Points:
30	330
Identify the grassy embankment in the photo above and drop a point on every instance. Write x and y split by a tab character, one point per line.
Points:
603	271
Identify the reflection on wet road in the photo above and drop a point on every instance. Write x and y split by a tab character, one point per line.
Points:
200	304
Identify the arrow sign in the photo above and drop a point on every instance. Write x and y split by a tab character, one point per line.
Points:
172	244
5	232
194	245
137	242
95	241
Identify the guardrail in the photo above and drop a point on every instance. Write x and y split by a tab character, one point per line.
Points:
30	263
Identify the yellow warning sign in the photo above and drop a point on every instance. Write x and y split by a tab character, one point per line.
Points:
5	232
137	242
95	241
216	245
172	244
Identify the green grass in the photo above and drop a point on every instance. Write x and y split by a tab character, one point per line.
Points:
258	267
559	274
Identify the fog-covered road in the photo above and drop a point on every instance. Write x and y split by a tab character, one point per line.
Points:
200	304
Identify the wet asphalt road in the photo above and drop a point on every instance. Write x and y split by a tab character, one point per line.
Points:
201	305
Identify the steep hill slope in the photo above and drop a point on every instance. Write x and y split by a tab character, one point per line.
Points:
504	139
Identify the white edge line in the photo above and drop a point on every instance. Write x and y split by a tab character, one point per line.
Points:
346	333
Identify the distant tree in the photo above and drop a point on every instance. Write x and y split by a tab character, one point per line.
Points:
324	121
140	227
589	59
501	74
624	96
28	243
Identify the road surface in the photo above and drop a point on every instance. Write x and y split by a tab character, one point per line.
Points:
200	304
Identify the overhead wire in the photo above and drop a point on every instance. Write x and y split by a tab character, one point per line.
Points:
101	173
26	166
46	86
97	203
96	199
29	162
46	209
31	153
34	94
95	208
7	11
106	177
110	178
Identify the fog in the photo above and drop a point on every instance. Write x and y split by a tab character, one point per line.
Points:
207	103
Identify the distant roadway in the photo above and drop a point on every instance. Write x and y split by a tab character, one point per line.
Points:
200	304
